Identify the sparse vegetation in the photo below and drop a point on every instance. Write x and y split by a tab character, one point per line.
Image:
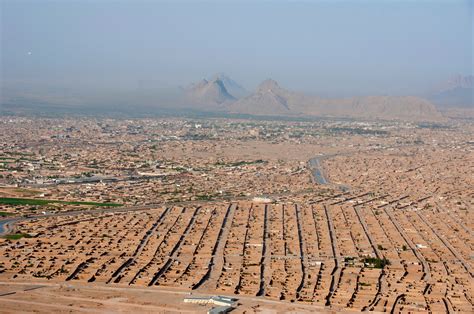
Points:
376	262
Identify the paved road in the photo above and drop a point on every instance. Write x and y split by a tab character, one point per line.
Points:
6	224
317	171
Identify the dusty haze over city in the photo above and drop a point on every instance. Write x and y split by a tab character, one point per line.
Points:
236	156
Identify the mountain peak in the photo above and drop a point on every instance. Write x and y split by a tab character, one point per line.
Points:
219	82
210	92
234	88
220	76
268	85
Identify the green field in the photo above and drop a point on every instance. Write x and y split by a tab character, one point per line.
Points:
5	214
17	236
29	201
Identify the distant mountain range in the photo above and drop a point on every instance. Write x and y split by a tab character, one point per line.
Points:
271	99
456	92
219	95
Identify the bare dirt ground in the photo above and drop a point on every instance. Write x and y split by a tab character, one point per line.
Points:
47	297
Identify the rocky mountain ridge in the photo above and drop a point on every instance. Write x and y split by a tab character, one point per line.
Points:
271	99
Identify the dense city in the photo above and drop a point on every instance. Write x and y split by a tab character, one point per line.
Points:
253	215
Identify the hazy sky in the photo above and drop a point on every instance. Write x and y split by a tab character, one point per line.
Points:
334	47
